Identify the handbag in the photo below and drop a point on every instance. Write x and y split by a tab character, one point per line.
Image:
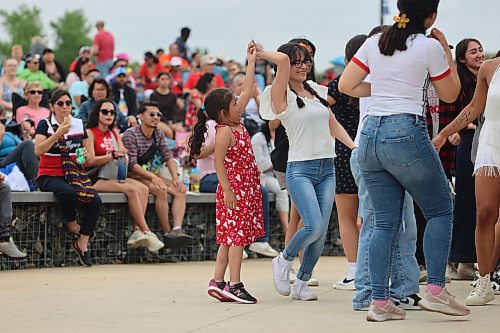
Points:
110	169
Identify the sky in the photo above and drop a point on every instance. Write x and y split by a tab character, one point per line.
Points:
226	26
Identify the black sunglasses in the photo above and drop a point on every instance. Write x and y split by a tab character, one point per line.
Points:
298	63
106	112
33	92
155	114
62	103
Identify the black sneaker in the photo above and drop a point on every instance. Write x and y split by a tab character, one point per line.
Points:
216	290
176	239
408	302
239	294
83	257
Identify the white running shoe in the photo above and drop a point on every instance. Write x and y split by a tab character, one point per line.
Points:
137	239
482	292
263	248
281	275
345	284
300	291
154	243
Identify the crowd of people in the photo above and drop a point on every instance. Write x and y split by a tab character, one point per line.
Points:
404	142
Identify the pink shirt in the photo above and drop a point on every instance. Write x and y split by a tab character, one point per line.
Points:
24	112
206	165
106	46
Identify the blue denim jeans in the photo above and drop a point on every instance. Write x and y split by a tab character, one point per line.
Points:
311	185
404	270
395	154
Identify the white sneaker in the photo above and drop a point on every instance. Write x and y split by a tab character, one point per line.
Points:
244	255
137	239
301	291
345	284
263	248
482	292
154	243
293	275
281	274
312	282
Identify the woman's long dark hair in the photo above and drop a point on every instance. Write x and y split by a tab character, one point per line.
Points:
353	46
216	101
93	120
296	52
311	75
467	78
204	82
417	11
78	67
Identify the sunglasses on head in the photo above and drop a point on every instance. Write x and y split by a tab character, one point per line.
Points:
62	103
155	114
33	92
107	112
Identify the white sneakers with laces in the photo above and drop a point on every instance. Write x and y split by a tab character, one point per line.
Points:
300	291
281	274
482	292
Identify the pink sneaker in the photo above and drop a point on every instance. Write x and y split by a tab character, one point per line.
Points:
216	290
444	303
388	312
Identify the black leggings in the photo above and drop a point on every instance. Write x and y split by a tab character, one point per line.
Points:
66	195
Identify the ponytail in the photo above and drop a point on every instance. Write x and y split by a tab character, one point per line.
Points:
197	138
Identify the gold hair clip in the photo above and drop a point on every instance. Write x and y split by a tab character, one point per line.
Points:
402	21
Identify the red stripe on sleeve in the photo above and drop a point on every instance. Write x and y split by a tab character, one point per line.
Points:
441	76
360	64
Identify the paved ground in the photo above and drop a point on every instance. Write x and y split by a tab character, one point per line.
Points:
172	298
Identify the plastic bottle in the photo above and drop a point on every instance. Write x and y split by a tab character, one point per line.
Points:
185	178
80	157
195	180
122	169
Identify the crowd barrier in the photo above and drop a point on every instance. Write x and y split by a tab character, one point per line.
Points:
38	228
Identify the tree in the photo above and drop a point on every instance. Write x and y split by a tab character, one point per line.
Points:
20	26
71	32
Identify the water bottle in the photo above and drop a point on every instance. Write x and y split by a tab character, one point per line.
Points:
185	178
80	157
195	180
122	169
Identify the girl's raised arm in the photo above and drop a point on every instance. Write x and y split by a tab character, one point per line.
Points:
280	84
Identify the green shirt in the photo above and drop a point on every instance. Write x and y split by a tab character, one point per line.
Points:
29	76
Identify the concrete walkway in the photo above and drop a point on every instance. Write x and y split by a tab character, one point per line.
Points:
172	298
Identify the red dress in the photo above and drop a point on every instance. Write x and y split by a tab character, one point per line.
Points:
244	224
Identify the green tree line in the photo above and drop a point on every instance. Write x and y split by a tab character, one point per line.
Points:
71	31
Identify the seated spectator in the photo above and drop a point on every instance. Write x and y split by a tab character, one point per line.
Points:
209	181
13	150
176	76
80	89
83	52
7	246
149	71
166	59
261	141
9	84
159	52
56	141
169	103
33	73
82	67
105	146
122	61
207	66
143	142
98	89
205	84
252	109
33	111
195	62
52	67
233	69
124	96
16	52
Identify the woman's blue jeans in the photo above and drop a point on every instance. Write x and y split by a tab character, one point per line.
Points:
311	185
395	154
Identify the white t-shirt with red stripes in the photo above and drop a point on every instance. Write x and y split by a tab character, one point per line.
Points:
399	82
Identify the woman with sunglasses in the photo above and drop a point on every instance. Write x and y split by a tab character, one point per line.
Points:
33	111
56	142
304	111
104	146
33	73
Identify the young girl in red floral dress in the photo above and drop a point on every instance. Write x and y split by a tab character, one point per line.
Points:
239	219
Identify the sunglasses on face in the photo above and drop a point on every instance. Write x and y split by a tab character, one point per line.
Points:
106	112
34	92
34	62
299	63
155	114
62	103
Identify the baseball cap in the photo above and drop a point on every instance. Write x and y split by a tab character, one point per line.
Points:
175	61
120	71
207	59
123	56
84	49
